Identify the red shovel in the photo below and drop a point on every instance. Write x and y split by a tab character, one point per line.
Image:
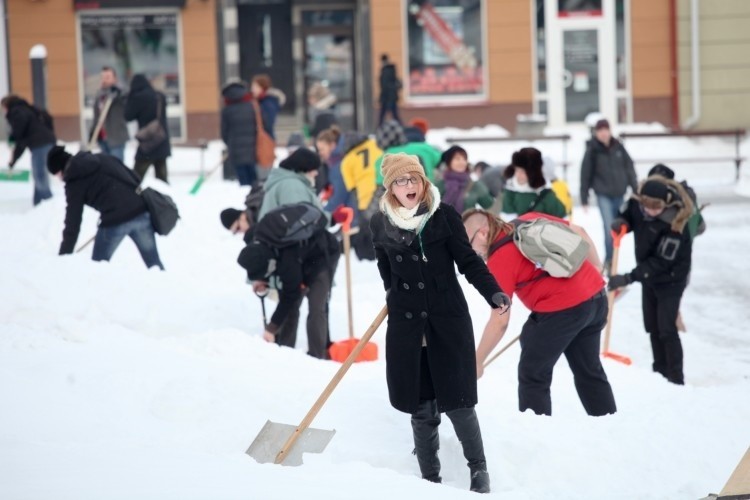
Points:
616	237
340	350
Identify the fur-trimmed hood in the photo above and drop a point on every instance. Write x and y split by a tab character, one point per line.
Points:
678	209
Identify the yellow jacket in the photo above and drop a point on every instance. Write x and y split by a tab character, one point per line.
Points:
561	190
358	170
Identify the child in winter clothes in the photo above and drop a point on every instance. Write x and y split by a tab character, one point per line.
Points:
658	217
430	358
456	187
526	189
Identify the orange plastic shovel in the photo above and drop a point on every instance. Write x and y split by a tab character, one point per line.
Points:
616	238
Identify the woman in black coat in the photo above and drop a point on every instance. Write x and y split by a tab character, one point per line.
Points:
142	106
430	354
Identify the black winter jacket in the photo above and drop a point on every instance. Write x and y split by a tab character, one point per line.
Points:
607	170
663	255
426	300
27	128
297	265
103	183
141	106
238	126
389	84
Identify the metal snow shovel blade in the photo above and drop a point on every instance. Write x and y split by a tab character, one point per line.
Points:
13	175
284	444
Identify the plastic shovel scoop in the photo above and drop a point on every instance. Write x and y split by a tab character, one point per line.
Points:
14	175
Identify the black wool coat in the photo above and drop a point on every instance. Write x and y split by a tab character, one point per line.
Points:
426	300
238	127
141	106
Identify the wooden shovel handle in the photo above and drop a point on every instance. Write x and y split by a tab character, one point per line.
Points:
494	357
330	387
616	239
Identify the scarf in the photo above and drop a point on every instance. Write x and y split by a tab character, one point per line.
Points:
412	219
455	184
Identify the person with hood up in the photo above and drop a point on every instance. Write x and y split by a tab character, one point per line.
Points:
29	130
526	189
430	357
392	138
658	217
457	187
105	184
144	104
238	131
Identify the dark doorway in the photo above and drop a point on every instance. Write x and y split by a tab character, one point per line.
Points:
265	39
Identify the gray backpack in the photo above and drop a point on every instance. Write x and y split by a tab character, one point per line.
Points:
552	246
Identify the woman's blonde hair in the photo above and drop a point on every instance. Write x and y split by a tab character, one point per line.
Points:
495	223
427	196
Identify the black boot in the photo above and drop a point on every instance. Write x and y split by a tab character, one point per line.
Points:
425	423
467	430
673	351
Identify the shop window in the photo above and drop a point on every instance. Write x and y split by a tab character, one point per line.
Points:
579	8
133	43
445	50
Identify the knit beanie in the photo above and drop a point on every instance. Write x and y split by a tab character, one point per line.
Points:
302	160
398	164
530	159
57	158
655	194
661	169
229	216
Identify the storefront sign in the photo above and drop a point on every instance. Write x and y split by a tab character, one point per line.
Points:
445	50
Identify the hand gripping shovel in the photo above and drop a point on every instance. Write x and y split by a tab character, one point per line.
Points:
284	444
341	349
616	237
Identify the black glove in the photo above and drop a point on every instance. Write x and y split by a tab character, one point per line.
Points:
619	281
501	299
618	224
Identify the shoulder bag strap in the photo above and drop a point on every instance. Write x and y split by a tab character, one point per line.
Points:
258	117
539	198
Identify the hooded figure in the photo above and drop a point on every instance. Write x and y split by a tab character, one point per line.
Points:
144	104
238	131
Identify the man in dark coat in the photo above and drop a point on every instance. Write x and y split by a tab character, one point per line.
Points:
29	130
238	131
658	217
608	170
114	132
102	182
144	104
389	87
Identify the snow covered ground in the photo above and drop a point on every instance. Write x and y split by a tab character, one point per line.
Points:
120	383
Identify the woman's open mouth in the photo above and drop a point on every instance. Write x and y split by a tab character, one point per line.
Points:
411	196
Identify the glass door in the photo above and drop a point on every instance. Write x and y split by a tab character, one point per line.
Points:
581	73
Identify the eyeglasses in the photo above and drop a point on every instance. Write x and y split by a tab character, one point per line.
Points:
405	181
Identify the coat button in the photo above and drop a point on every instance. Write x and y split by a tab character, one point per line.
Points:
415	258
406	286
399	258
423	315
408	315
420	285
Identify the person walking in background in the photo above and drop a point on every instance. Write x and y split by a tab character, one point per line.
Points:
390	85
430	358
270	100
114	131
567	316
145	104
527	190
30	128
105	184
658	216
238	131
608	170
456	187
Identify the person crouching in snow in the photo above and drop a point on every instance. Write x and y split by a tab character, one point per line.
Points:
104	183
430	358
658	216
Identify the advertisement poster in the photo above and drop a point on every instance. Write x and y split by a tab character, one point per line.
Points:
445	49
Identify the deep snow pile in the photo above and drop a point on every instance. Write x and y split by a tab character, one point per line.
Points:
120	383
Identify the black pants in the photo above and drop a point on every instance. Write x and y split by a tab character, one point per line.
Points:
388	106
160	168
576	333
660	309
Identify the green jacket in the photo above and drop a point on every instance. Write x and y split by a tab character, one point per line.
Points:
522	200
429	157
284	187
476	194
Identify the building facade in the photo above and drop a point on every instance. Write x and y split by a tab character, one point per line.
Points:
462	63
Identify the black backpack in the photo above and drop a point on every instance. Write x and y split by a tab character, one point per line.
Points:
288	225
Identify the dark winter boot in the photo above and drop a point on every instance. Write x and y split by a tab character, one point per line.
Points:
425	423
660	361
467	430
673	351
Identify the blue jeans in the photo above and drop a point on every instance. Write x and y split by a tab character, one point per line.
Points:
40	174
140	230
116	151
246	174
609	207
